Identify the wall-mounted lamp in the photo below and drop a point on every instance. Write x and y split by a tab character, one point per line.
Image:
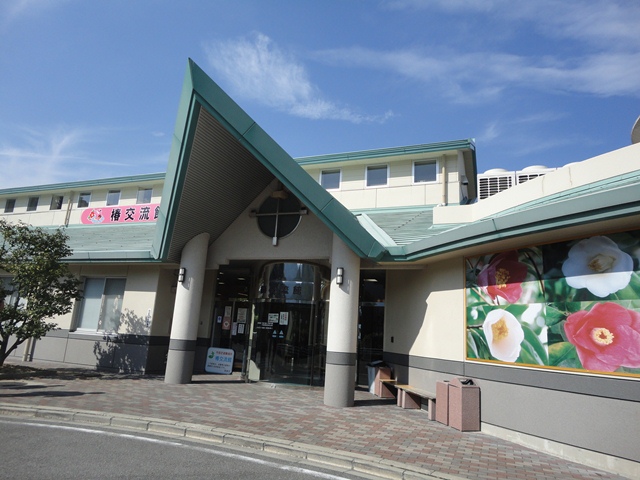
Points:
181	274
339	275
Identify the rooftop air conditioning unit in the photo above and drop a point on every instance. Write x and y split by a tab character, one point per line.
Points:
529	173
494	181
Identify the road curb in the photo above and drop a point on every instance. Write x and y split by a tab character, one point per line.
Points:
300	451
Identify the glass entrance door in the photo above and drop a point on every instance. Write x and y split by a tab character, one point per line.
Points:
289	331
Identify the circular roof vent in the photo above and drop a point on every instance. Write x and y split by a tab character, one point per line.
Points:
635	132
535	168
493	171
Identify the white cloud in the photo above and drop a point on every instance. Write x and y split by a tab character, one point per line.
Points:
40	157
481	76
593	48
11	10
258	70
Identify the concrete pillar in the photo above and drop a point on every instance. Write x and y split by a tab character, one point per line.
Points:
186	312
342	331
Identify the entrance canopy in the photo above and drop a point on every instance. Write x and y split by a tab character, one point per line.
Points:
220	161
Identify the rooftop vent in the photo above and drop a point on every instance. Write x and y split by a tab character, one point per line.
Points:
498	179
494	181
635	132
534	171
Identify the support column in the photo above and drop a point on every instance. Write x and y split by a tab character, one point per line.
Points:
342	331
186	311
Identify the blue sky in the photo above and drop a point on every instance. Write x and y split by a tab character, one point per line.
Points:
90	89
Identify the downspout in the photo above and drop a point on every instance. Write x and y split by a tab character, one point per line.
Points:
443	176
68	215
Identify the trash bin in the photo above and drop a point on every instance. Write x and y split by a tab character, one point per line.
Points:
464	405
373	373
442	402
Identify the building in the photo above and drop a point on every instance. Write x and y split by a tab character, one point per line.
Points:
309	269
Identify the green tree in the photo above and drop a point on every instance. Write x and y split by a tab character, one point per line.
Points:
35	285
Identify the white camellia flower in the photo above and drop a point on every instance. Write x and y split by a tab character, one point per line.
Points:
598	265
504	335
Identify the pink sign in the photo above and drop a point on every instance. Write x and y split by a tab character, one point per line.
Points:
121	214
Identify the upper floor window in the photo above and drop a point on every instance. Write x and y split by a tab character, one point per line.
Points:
9	205
425	171
377	175
84	199
56	202
33	204
113	197
144	195
330	179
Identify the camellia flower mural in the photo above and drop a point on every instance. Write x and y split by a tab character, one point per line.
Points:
503	276
598	265
606	338
570	305
504	335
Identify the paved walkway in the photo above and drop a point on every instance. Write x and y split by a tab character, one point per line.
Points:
374	436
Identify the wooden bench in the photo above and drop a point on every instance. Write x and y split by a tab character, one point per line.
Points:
385	388
411	397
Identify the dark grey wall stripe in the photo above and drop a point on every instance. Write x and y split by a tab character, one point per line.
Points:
182	345
341	358
124	338
607	387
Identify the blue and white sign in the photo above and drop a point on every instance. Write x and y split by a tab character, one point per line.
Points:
219	360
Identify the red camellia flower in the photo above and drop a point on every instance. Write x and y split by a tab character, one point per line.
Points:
606	338
503	276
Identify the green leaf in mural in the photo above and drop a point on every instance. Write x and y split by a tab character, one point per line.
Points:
554	313
564	354
527	355
534	346
472	348
482	348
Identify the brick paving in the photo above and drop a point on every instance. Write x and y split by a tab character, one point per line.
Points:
373	427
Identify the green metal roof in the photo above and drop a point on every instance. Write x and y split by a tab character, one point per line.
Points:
220	161
150	177
616	197
389	152
110	243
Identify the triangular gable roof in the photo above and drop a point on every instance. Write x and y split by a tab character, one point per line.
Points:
220	161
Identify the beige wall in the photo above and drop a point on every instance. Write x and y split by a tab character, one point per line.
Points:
596	169
425	311
244	241
43	216
138	303
400	191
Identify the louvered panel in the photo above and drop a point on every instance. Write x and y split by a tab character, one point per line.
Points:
222	179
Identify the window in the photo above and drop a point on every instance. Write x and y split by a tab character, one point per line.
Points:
377	176
101	304
84	199
11	296
9	205
33	204
330	179
56	202
113	197
144	195
425	172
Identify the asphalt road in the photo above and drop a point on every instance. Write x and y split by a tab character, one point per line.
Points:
37	449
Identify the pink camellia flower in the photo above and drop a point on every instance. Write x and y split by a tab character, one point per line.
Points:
503	276
606	338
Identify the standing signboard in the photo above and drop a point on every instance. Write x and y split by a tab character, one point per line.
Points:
219	360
